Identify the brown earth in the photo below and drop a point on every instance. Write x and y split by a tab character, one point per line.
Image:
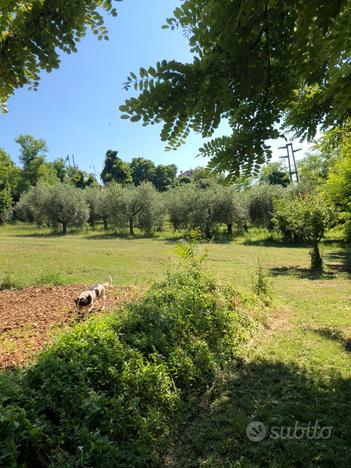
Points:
31	317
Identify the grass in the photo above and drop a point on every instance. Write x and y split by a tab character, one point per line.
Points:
298	369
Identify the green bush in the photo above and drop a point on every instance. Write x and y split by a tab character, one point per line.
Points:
108	393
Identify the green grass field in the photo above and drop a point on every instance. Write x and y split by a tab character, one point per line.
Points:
297	369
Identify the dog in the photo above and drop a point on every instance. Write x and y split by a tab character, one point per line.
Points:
95	292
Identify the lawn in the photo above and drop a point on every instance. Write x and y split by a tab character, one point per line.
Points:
297	369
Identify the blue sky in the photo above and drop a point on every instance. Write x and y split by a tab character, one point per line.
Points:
76	107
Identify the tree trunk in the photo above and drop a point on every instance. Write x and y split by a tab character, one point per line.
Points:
64	228
105	223
131	227
316	259
230	229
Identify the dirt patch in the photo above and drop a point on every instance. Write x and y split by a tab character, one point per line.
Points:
31	317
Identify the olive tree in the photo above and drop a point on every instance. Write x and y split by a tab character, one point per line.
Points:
307	216
261	204
94	198
31	206
112	207
190	206
144	207
66	206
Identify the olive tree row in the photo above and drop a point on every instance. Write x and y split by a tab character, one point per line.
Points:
117	207
192	207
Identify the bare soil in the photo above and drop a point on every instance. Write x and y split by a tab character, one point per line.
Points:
31	317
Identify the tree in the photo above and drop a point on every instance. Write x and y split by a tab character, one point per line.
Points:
261	204
142	207
31	206
232	208
94	199
274	174
79	178
133	206
192	207
164	176
152	214
266	67
143	170
60	168
9	175
35	33
5	204
113	207
306	216
31	148
337	187
115	170
35	168
65	205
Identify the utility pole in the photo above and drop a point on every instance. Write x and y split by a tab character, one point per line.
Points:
290	156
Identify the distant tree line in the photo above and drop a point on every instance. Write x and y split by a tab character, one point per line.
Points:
143	195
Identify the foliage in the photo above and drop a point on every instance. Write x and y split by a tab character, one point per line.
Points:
5	205
262	284
142	170
151	216
164	177
134	206
65	205
191	207
31	205
313	169
338	184
9	174
263	66
35	33
261	204
94	199
115	170
274	174
307	217
79	178
108	393
35	168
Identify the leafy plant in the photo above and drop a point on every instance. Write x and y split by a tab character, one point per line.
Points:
306	216
109	392
262	284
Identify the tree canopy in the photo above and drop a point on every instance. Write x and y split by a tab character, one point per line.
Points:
34	32
264	66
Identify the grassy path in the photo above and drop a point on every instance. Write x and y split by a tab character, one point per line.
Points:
295	380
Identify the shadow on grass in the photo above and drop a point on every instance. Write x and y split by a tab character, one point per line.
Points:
341	261
41	235
282	398
335	335
303	273
269	242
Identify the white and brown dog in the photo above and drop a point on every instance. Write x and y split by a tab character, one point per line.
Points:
95	292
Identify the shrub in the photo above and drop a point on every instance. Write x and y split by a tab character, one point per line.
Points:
108	393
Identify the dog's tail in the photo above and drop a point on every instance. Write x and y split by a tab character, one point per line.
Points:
109	284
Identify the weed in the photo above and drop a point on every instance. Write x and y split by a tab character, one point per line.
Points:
52	278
